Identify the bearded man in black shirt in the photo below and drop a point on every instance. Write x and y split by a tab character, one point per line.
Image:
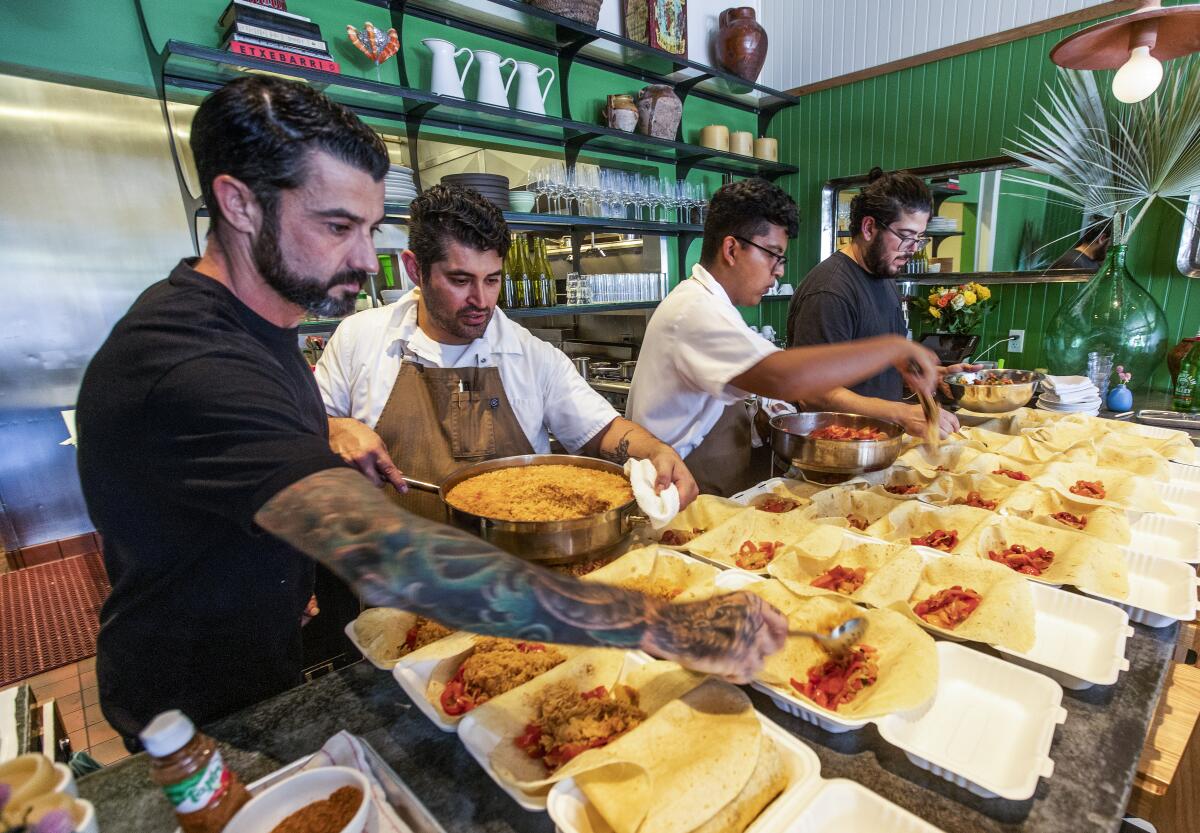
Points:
205	462
852	294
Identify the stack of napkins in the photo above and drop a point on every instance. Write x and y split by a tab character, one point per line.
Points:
1069	395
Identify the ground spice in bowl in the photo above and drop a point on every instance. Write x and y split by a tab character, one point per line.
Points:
329	815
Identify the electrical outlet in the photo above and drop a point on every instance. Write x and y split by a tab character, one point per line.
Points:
1016	343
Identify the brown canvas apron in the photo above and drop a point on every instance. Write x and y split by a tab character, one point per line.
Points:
438	420
721	463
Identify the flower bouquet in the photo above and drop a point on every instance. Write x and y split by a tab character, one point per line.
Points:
954	309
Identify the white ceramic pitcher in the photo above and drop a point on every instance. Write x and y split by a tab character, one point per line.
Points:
530	97
493	89
446	79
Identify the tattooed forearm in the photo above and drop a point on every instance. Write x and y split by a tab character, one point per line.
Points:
620	453
397	559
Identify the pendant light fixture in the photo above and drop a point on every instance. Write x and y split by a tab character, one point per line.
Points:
1136	45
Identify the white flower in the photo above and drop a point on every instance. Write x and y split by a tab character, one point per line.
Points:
958	303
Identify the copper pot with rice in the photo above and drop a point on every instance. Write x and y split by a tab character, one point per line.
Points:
545	541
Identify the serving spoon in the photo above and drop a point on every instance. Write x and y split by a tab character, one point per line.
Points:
840	639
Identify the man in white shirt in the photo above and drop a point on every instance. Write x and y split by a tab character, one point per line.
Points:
441	378
699	360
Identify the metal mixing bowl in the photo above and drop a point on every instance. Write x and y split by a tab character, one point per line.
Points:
546	542
993	399
793	447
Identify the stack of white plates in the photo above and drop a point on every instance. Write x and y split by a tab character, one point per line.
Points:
942	224
398	186
1069	395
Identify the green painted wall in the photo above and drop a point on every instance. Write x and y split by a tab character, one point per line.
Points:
956	109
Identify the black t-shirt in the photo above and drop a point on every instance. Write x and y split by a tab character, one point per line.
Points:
840	301
195	412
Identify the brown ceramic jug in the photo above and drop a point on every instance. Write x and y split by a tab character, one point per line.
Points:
741	43
659	111
621	113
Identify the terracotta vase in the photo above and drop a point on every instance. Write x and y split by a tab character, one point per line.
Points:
659	111
741	43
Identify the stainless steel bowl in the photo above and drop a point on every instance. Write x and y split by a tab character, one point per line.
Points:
993	399
549	542
793	447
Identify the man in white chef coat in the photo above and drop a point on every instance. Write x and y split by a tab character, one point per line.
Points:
442	378
700	361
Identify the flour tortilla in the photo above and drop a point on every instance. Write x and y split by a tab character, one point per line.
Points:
382	631
908	661
892	572
506	716
1122	490
1005	616
832	506
700	764
1038	504
1075	443
451	652
705	513
796	490
722	543
657	566
1166	442
915	520
1079	560
947	488
953	457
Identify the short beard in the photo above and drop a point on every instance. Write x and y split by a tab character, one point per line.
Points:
875	258
447	318
310	294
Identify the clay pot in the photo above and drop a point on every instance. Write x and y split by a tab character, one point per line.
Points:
1175	357
659	111
621	113
741	43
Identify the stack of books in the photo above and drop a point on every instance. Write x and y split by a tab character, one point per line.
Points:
266	30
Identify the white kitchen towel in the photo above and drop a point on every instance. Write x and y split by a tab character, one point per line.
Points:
1074	397
772	408
660	508
1066	384
344	749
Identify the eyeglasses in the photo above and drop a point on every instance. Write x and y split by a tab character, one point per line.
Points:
780	260
907	241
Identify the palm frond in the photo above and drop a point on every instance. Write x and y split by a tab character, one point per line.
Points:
1113	161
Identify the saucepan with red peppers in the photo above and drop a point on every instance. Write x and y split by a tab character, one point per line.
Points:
835	443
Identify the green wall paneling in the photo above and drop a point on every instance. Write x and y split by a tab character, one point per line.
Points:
956	109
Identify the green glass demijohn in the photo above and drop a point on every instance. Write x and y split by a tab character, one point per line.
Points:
1111	314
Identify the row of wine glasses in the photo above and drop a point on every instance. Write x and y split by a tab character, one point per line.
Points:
591	191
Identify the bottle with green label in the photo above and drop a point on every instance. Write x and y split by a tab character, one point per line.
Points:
1187	383
188	766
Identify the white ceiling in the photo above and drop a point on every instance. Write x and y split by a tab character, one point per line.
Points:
813	40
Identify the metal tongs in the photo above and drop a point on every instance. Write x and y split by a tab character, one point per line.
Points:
839	640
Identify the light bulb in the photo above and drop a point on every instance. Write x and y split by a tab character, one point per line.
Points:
1138	77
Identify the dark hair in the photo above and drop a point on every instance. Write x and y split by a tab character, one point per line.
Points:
260	129
744	209
886	195
1097	225
448	212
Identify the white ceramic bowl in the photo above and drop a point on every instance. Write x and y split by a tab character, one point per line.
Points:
273	805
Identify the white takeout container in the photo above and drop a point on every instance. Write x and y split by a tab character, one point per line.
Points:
413	676
1182	498
809	804
1161	591
1165	536
274	804
987	729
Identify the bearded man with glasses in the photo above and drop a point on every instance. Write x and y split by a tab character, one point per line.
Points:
852	294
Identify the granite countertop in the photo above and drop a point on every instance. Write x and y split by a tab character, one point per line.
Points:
1095	754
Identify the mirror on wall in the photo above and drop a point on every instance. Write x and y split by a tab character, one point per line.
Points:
1188	259
984	221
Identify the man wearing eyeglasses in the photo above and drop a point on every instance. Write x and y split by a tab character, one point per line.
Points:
852	294
700	361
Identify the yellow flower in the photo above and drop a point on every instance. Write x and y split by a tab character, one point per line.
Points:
983	292
935	312
969	297
933	296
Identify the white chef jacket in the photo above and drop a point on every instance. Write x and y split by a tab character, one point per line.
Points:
359	366
695	343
